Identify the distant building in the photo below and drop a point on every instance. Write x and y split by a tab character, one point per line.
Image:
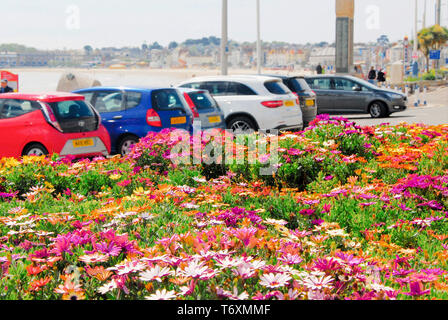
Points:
324	56
396	53
284	57
199	61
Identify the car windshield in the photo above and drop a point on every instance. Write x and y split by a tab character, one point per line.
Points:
364	83
299	85
202	100
276	87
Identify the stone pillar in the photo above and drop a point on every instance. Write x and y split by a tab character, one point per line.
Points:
345	11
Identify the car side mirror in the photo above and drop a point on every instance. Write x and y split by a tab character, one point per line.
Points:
357	88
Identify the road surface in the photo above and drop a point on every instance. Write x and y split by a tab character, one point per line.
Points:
428	115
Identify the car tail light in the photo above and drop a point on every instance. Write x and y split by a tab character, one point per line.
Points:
273	104
191	105
153	119
50	117
298	98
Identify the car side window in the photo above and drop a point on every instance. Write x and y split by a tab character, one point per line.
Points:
133	99
239	89
194	85
344	84
109	101
16	108
216	88
320	83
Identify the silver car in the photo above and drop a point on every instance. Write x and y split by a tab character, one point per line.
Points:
347	94
206	111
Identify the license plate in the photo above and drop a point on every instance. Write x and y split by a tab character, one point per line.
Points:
310	103
83	143
214	119
178	120
289	104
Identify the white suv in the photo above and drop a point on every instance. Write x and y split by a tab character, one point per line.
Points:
252	102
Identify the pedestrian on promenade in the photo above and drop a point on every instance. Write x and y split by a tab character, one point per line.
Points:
372	75
319	69
5	88
381	77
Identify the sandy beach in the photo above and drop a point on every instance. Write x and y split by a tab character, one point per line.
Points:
46	79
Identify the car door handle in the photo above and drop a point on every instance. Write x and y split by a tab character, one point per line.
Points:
117	117
28	123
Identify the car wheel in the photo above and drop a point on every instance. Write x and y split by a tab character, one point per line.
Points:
378	110
124	147
241	124
35	149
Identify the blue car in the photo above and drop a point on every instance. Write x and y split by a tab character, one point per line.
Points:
129	113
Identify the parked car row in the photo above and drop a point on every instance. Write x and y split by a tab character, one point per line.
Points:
109	120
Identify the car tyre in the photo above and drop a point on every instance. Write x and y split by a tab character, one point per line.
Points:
35	149
241	123
124	146
378	110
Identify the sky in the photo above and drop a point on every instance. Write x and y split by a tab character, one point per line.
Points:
72	24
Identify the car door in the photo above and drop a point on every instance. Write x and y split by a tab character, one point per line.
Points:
135	112
111	106
348	96
323	87
16	122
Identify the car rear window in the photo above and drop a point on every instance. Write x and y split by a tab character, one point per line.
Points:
202	100
74	116
298	85
65	110
166	99
276	87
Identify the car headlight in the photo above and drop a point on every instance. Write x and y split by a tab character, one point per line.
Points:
395	96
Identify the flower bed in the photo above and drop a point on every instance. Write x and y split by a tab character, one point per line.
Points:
351	213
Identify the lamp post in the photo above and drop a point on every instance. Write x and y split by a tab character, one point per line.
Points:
258	39
224	41
416	28
424	16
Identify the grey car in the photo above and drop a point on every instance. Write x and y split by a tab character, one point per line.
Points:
206	111
347	94
307	97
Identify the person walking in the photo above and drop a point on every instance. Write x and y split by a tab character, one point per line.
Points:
372	75
381	77
5	88
319	69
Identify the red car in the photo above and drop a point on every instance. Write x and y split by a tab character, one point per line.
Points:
40	124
